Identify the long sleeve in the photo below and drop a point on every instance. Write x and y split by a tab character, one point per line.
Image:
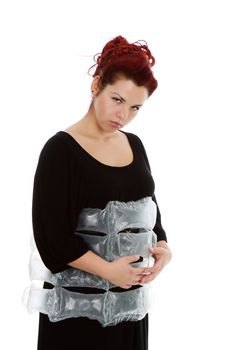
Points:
158	229
54	209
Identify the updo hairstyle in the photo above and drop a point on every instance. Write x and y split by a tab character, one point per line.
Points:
120	58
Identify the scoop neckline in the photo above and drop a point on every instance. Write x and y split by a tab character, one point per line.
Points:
77	144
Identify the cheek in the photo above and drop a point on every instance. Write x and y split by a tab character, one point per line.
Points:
129	119
132	115
99	108
106	108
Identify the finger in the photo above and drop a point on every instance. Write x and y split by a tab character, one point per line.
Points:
157	267
156	250
149	279
132	258
133	283
152	275
140	271
126	286
145	273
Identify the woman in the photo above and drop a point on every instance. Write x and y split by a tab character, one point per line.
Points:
89	177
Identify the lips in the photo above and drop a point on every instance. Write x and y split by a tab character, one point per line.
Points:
116	124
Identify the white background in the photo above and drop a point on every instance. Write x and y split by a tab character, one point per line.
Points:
46	50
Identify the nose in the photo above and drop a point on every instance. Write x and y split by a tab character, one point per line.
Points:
122	112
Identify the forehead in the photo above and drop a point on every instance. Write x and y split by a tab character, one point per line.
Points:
128	90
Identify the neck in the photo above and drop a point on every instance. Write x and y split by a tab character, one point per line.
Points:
87	126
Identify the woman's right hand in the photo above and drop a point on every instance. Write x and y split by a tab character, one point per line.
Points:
121	273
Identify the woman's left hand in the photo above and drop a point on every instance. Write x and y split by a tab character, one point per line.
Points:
162	255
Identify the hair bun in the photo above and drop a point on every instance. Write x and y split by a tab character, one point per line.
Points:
119	47
133	60
118	40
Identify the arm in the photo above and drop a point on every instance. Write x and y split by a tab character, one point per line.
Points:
162	255
119	271
161	252
158	228
54	209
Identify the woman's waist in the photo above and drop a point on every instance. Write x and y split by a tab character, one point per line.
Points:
90	290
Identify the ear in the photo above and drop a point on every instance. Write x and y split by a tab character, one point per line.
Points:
95	86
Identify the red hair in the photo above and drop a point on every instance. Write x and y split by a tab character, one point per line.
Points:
133	61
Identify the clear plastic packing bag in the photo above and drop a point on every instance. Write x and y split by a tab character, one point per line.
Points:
120	229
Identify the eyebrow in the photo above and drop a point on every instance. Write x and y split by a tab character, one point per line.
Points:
116	93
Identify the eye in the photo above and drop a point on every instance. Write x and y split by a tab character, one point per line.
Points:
135	108
117	100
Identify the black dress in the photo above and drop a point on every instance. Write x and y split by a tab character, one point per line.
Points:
68	179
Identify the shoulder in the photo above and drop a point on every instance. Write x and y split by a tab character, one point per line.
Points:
56	151
58	144
137	144
58	141
135	141
133	137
